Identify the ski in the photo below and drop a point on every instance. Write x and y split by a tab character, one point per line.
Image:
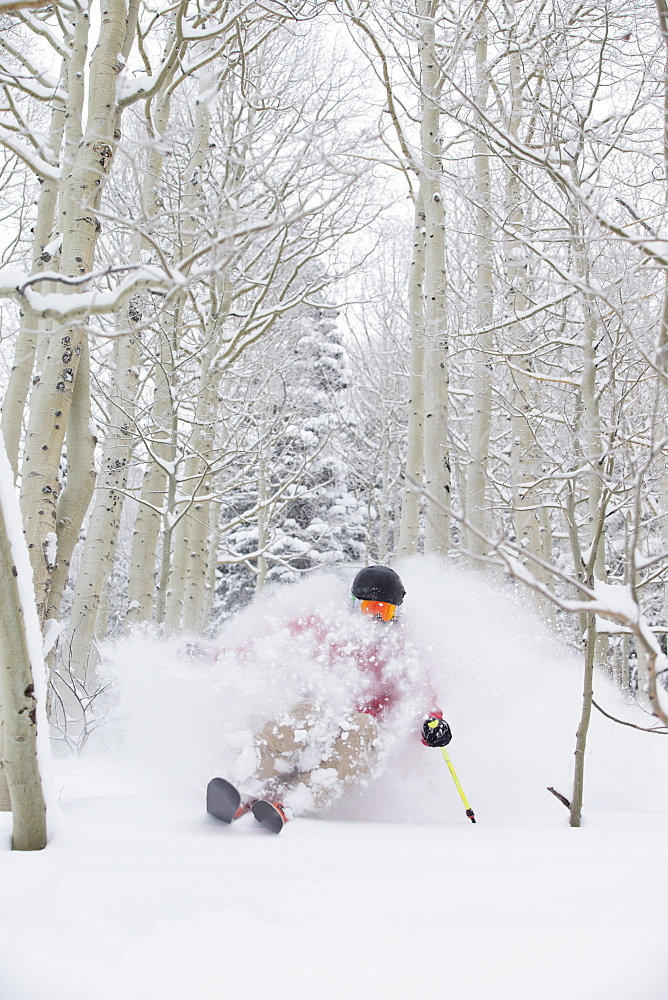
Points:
222	800
269	814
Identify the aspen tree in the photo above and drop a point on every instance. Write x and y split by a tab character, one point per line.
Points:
436	445
64	138
52	396
188	585
80	441
148	521
263	521
532	526
5	801
414	471
160	435
212	558
102	533
591	442
428	457
75	496
477	499
188	567
19	660
662	339
409	529
16	394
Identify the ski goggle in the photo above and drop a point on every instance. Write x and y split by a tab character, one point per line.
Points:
378	609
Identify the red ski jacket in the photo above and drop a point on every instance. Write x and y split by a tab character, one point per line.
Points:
383	691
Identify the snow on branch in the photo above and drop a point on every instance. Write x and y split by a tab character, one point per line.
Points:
39	166
7	6
41	86
70	304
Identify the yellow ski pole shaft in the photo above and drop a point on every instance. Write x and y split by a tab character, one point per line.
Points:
458	784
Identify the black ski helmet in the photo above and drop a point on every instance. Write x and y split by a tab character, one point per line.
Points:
378	583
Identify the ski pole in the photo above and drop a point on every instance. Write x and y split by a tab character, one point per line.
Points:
458	784
469	811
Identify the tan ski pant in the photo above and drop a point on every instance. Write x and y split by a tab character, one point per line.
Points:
279	747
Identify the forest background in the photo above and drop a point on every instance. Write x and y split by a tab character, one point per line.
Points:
291	285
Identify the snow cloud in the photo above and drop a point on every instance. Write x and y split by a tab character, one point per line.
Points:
184	710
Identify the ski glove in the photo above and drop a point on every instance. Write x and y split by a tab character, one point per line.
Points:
436	732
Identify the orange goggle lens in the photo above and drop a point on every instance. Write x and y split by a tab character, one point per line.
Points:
378	609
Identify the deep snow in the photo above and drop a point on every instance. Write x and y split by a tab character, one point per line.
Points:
141	893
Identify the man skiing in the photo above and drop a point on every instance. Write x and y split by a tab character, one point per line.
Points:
305	760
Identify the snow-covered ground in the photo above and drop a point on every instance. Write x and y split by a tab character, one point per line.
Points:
395	894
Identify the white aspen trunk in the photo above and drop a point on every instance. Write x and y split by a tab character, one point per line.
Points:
195	580
75	498
660	433
5	801
20	769
592	447
212	561
531	519
101	538
662	339
532	525
199	471
409	523
65	125
104	611
34	334
263	520
624	675
148	521
384	502
187	597
477	512
202	468
177	545
76	85
166	568
642	694
624	664
591	438
545	551
186	544
436	446
18	386
593	443
52	396
583	727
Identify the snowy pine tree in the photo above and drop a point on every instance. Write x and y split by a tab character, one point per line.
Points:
299	513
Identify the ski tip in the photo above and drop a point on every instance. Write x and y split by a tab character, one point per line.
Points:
269	814
222	800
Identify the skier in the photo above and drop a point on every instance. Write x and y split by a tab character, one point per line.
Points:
300	768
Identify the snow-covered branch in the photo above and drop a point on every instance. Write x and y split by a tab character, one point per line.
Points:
38	164
70	305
